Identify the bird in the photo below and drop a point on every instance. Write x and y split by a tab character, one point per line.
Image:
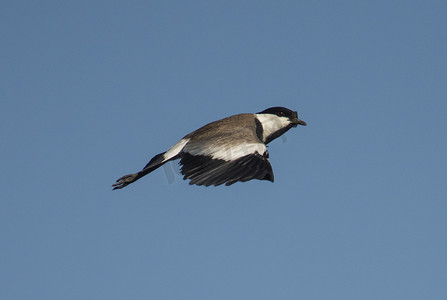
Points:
230	150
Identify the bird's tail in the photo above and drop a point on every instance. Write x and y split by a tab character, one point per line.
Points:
156	162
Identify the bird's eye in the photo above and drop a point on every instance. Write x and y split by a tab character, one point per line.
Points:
281	114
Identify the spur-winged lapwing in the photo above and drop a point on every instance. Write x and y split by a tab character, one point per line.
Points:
225	151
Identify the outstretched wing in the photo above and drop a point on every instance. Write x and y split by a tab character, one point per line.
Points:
205	170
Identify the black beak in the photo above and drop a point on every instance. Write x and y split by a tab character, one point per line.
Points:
297	122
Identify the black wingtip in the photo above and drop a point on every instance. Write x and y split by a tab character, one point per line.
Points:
269	176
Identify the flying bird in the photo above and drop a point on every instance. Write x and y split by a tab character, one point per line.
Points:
225	151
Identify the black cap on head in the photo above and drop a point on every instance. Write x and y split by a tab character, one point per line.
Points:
284	112
278	110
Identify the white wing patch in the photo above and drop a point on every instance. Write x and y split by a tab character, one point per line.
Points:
174	150
225	153
271	123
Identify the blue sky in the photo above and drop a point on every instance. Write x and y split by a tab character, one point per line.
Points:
91	90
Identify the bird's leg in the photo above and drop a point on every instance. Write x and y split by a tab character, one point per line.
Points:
125	180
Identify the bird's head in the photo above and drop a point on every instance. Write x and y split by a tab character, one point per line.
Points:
275	121
285	114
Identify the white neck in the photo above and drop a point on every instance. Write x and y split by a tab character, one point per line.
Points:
271	124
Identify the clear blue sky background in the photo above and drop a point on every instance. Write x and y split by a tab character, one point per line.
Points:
91	90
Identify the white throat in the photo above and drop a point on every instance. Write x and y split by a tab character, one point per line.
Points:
271	124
